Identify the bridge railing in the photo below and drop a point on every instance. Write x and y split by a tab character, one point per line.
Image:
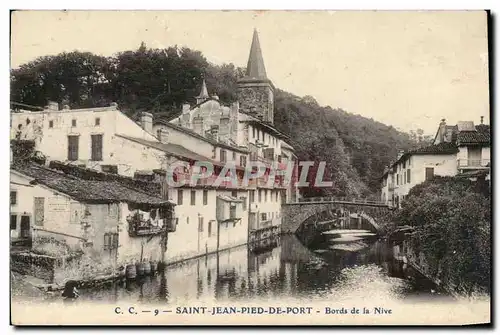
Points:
342	199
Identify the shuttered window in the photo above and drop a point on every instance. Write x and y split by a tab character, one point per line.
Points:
13	197
13	222
193	198
205	197
96	153
73	147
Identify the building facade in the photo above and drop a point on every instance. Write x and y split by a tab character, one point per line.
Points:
209	216
456	150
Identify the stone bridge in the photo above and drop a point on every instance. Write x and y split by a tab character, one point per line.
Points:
307	209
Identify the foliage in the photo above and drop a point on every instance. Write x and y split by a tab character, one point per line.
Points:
452	218
356	149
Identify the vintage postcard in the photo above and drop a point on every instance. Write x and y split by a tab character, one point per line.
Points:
250	168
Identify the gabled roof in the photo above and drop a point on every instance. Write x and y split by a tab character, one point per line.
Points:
443	148
85	190
176	151
196	135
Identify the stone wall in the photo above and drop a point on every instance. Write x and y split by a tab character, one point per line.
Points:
256	100
39	266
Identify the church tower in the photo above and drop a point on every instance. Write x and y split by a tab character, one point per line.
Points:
255	90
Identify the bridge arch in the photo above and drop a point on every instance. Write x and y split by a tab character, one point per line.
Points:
294	214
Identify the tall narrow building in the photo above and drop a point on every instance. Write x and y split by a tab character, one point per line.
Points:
255	90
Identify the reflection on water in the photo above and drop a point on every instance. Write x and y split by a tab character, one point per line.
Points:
283	268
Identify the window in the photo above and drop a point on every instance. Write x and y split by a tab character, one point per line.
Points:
234	194
408	178
404	177
200	224
13	222
179	197
13	197
73	147
243	161
97	121
223	155
253	132
252	196
205	197
265	196
404	165
429	173
234	156
263	216
209	228
232	211
110	241
260	195
397	179
193	198
51	124
73	123
96	153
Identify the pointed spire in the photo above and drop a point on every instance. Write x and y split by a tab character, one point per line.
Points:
255	66
203	92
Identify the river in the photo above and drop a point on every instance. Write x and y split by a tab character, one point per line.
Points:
282	270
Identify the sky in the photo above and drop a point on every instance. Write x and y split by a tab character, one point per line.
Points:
405	69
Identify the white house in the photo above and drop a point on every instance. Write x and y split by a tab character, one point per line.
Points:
456	149
96	218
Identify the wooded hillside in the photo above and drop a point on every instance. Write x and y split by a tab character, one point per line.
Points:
355	148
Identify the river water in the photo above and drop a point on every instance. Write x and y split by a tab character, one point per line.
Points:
282	269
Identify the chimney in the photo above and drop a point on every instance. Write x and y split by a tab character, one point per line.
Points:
147	122
66	108
224	128
113	105
162	135
400	153
441	131
234	119
53	106
198	125
214	130
185	117
482	119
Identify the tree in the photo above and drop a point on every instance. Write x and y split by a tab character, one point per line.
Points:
452	219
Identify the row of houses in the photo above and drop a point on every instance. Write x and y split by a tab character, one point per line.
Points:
95	180
462	149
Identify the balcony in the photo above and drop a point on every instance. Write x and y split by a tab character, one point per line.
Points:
474	163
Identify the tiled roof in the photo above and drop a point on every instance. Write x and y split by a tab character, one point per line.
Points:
96	191
480	136
192	133
175	150
444	148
